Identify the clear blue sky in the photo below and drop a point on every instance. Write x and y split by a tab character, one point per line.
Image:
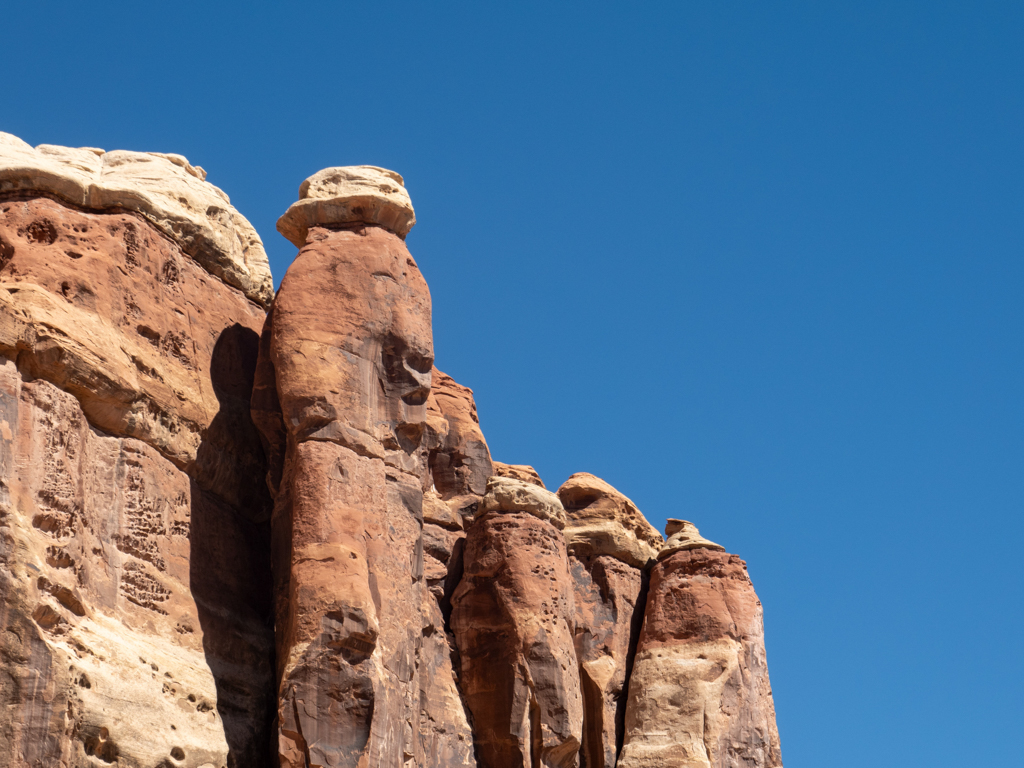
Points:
756	264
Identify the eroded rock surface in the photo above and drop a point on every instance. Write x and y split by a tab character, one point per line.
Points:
165	189
231	538
357	194
364	669
523	472
603	521
699	695
610	543
113	312
513	617
122	581
461	463
134	546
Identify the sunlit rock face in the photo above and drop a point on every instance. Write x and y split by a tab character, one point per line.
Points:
699	693
165	190
135	624
610	545
365	676
243	530
513	616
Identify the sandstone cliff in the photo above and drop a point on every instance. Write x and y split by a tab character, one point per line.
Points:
134	546
240	529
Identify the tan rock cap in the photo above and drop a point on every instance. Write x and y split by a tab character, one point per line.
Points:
682	534
164	188
505	494
352	194
523	472
602	521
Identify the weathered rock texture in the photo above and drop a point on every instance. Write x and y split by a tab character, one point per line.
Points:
359	194
164	189
364	668
513	617
683	535
602	521
111	311
240	530
699	693
609	543
134	546
523	472
460	464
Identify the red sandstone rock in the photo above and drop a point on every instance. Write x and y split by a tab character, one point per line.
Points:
355	194
141	577
607	593
443	546
461	464
165	190
122	581
602	521
513	619
365	676
152	345
699	693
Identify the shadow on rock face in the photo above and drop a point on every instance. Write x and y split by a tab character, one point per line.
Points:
230	461
230	556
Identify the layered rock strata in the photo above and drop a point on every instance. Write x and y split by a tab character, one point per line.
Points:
610	544
513	616
111	310
364	669
355	194
134	547
699	694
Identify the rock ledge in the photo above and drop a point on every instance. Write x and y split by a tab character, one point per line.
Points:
164	188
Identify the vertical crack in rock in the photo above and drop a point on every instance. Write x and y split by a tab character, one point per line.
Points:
610	545
635	626
297	737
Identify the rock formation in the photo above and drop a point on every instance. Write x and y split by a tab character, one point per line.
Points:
699	694
460	464
514	617
523	472
364	670
134	547
240	529
610	544
163	189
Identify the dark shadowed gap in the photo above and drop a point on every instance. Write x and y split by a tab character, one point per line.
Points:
230	557
635	627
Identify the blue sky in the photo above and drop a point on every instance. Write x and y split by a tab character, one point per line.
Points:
757	265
